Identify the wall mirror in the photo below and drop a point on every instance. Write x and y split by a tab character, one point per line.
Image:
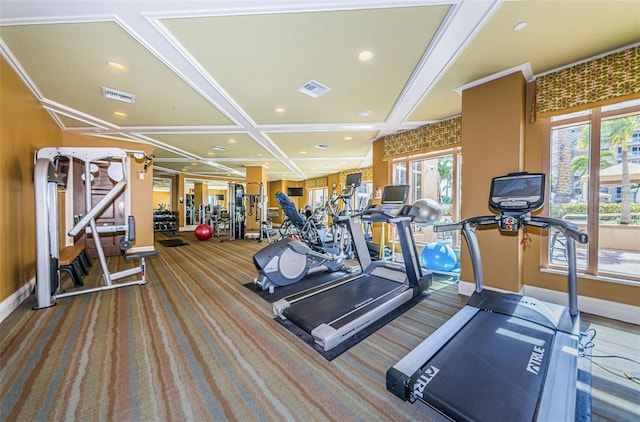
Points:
162	193
202	199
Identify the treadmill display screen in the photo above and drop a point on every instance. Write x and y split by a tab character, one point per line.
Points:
517	192
395	194
353	180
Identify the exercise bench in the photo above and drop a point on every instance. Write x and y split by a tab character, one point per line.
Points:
73	259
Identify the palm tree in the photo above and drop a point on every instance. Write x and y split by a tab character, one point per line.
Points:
616	133
580	164
445	171
564	181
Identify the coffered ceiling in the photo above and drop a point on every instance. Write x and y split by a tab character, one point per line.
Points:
215	84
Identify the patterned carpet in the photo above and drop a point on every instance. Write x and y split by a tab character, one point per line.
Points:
195	345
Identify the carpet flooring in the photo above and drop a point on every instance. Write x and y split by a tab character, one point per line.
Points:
194	344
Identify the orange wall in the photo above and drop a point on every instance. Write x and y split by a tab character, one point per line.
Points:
256	175
381	178
492	144
25	127
161	198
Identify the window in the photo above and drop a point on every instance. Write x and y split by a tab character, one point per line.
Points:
595	179
363	196
317	197
432	176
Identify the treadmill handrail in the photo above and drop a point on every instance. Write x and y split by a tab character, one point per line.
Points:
376	214
567	228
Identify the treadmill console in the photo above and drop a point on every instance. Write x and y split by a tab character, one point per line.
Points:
515	195
394	198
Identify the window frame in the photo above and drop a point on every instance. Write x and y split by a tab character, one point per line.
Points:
456	194
594	118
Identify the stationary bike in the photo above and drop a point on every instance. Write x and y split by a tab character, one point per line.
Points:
292	258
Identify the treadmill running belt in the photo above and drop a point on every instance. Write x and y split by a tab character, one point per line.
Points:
338	301
498	360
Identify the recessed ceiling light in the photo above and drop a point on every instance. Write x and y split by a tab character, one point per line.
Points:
348	138
194	164
219	148
365	113
323	146
259	154
120	114
116	66
176	109
365	56
519	26
211	153
280	110
303	152
232	141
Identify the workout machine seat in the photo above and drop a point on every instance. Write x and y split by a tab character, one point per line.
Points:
140	255
71	261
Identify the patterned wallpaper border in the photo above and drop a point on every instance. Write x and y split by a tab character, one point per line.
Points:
367	174
323	182
443	134
613	76
318	182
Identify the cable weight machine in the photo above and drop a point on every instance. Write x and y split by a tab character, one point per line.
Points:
243	205
48	287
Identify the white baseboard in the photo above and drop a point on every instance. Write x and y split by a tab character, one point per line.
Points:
590	305
12	302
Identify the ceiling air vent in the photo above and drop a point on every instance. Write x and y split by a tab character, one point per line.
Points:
118	95
313	89
323	146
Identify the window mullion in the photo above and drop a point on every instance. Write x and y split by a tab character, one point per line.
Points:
594	192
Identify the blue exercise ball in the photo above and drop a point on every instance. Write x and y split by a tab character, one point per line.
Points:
438	256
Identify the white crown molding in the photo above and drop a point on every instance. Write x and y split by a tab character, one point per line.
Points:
525	68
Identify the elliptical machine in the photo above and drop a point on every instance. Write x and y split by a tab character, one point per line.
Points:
290	259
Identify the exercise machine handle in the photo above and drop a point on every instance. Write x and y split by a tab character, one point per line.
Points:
380	215
472	222
566	227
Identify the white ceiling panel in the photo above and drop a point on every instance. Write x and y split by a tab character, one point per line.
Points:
202	73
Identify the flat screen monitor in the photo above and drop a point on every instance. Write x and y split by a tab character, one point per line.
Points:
220	197
353	180
295	191
395	194
517	192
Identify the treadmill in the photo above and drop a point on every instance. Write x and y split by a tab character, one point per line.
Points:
335	311
502	356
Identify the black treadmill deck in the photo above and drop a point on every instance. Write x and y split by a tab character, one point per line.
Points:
339	301
492	370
